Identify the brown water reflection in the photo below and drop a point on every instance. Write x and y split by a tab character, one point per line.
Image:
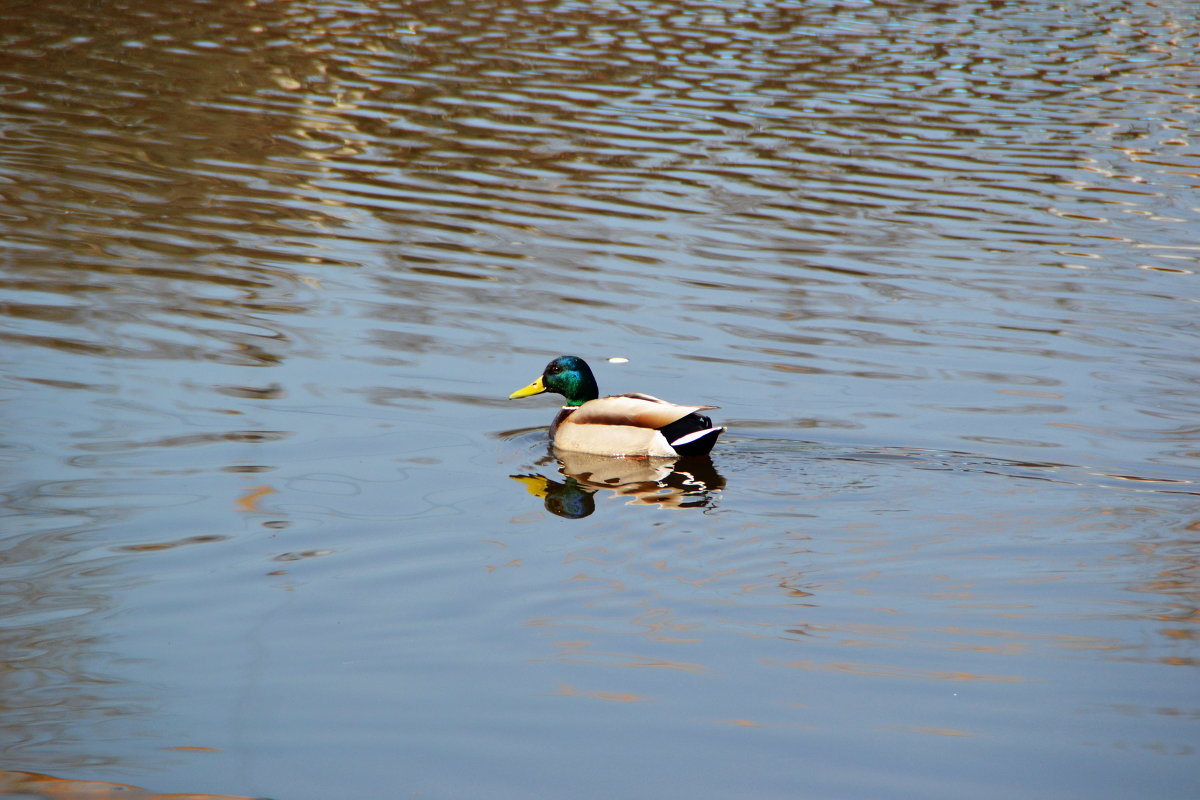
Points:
35	786
269	269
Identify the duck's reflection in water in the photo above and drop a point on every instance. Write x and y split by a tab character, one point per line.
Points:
661	482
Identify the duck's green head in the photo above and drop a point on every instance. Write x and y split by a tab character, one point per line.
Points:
569	376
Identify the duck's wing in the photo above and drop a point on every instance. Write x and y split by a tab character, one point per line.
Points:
636	410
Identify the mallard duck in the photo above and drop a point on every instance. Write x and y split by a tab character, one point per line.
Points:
620	425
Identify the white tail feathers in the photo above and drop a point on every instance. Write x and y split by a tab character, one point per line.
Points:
693	436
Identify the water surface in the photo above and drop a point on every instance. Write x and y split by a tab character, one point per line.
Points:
272	528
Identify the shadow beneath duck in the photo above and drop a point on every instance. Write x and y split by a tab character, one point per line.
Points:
659	482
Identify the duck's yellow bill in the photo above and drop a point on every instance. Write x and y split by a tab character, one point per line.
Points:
537	387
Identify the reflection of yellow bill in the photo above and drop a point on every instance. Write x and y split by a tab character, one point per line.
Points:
537	387
536	485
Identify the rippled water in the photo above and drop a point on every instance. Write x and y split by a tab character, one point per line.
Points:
271	528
